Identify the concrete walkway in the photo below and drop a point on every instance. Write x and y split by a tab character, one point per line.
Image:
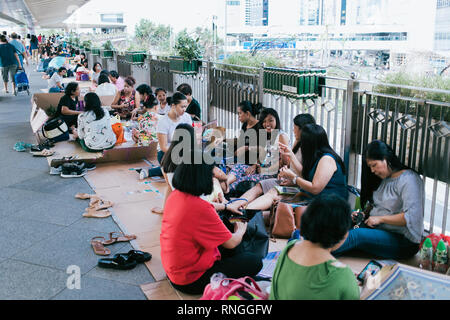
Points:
42	231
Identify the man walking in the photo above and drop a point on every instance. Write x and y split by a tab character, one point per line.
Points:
9	61
20	49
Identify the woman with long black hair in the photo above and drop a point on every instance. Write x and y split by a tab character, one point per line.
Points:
396	194
94	126
264	193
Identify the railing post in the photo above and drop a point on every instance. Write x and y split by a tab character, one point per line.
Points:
349	152
209	91
261	83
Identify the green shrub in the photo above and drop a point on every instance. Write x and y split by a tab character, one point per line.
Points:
247	60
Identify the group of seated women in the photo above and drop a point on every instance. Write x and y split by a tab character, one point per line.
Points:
193	237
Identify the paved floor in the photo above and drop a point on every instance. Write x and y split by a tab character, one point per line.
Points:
42	232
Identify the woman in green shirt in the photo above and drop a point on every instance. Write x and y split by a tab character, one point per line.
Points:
306	270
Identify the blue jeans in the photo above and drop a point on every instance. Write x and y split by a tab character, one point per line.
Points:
156	172
380	243
54	90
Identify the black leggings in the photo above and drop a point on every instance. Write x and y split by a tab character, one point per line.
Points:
237	266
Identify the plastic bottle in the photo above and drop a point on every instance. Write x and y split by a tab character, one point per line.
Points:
440	257
216	279
267	161
426	255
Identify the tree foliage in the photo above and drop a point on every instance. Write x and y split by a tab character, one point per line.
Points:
150	35
188	47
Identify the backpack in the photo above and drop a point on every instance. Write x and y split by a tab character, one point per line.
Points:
235	289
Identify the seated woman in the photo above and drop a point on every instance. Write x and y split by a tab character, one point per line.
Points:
246	168
306	270
322	171
147	122
267	186
127	100
395	226
67	107
165	129
192	231
96	69
164	105
105	88
94	126
55	83
148	100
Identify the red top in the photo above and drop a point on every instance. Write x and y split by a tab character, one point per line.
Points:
191	231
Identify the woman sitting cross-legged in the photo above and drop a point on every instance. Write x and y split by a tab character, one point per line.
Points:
321	170
165	129
270	126
94	126
148	120
182	133
395	226
192	232
306	270
267	186
127	100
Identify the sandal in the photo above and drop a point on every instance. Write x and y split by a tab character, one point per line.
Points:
136	255
43	153
158	210
100	204
98	247
119	238
96	214
119	262
84	196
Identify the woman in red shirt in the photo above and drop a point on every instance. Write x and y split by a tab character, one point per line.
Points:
192	232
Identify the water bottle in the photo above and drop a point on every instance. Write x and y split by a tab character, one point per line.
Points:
440	257
216	279
426	255
268	160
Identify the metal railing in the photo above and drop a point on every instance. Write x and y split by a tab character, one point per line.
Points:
353	113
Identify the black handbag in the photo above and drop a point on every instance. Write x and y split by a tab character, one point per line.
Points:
55	128
255	239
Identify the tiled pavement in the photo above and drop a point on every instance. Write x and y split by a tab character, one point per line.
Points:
42	231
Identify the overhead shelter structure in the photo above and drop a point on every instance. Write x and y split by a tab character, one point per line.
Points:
39	13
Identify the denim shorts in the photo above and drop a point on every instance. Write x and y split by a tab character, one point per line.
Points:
9	69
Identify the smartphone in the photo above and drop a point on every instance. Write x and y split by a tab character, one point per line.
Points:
237	218
373	267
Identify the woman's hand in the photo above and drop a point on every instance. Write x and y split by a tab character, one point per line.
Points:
240	227
373	221
287	174
250	170
285	150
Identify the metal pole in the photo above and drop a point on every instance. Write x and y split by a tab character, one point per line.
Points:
348	160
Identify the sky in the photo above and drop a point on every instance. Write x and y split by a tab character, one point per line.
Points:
178	13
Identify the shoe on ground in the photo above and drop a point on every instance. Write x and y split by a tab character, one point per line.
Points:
56	171
143	174
85	165
119	262
136	255
70	170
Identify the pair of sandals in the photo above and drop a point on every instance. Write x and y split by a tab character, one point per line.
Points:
98	208
125	261
99	243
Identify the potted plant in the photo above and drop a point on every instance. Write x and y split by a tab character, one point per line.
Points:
134	55
87	45
108	50
189	52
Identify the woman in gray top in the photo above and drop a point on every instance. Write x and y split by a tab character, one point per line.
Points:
395	225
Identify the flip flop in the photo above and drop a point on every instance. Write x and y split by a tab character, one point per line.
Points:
96	214
43	153
119	238
157	210
84	196
100	205
98	247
